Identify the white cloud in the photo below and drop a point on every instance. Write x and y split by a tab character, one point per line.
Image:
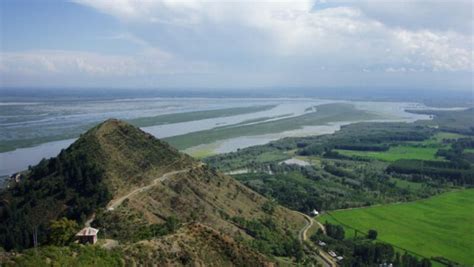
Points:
433	15
57	62
438	51
272	40
350	34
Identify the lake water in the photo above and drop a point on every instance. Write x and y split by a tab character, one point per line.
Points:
45	118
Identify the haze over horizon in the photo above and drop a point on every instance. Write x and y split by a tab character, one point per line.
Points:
237	133
155	44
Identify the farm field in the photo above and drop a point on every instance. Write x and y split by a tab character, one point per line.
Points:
439	226
396	153
425	150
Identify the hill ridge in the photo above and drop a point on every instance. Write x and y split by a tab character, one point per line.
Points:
121	174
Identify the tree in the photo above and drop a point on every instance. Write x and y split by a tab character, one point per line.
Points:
172	224
372	234
335	231
62	231
425	263
269	207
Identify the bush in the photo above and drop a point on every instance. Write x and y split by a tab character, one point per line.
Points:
372	234
62	231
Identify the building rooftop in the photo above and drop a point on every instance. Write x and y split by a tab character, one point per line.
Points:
87	231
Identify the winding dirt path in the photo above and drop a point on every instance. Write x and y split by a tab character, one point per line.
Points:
113	204
321	226
303	236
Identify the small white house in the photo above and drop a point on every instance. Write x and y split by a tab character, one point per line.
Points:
314	212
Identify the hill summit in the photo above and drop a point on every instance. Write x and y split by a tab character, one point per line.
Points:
108	160
130	183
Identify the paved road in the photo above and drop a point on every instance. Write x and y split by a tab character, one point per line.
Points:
113	204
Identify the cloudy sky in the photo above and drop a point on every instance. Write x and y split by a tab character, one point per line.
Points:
237	44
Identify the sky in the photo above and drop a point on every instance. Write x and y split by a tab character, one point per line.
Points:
424	44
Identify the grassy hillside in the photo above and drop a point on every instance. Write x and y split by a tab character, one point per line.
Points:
140	188
193	245
206	196
106	161
438	226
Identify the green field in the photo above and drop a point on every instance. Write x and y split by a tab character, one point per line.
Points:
396	153
425	150
439	226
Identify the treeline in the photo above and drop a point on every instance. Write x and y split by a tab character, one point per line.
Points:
334	184
455	153
458	170
332	154
70	185
363	147
366	137
456	121
362	250
248	157
434	170
287	190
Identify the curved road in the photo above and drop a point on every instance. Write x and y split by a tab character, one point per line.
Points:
116	202
304	231
303	236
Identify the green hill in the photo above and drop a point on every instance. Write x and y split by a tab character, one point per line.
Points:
107	160
132	183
